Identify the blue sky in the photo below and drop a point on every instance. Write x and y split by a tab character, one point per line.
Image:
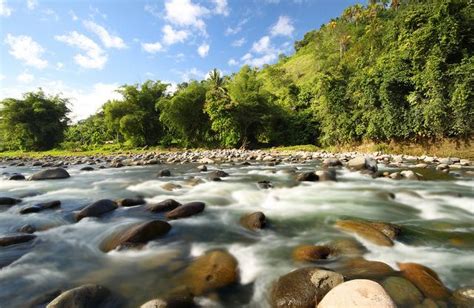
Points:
86	49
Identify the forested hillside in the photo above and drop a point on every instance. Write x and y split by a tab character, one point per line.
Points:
400	70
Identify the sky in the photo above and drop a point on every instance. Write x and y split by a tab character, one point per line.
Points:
84	50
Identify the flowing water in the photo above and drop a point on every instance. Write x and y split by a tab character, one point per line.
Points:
437	219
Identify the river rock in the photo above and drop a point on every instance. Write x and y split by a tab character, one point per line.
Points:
180	297
9	201
361	268
213	270
50	174
390	230
137	234
126	202
202	168
265	184
464	297
186	210
402	291
307	177
366	231
332	162
87	168
16	239
363	163
410	175
27	229
347	247
361	293
163	206
253	221
86	296
218	174
43	300
170	186
41	206
164	172
304	287
17	177
96	209
424	279
310	253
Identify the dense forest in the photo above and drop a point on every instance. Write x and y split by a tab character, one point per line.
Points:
399	70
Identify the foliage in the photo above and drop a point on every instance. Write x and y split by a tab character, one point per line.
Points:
36	122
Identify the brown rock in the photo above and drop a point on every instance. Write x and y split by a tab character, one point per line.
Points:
163	206
137	234
16	239
85	296
347	247
362	268
186	210
310	253
365	230
96	209
253	221
424	279
130	202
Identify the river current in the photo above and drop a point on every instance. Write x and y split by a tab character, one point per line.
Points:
437	217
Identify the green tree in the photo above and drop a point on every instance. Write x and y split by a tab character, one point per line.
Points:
36	122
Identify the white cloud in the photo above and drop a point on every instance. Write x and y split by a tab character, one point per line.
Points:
73	15
32	4
237	28
232	62
192	74
2	77
49	14
172	36
239	42
173	87
5	10
185	13
221	7
262	45
94	58
109	41
24	48
153	10
259	61
203	50
25	77
59	65
152	47
283	27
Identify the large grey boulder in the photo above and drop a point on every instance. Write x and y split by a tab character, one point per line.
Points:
50	174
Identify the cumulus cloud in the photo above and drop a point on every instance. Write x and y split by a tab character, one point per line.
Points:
283	27
203	50
172	36
191	74
262	45
239	42
24	48
25	77
221	7
232	62
185	13
31	4
237	28
262	52
94	57
152	47
109	41
5	10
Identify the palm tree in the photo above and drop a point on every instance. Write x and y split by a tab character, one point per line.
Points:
215	78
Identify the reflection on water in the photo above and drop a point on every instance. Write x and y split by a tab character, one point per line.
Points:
436	216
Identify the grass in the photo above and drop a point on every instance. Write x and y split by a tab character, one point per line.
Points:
444	148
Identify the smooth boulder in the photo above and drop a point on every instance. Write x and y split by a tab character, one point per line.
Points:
41	207
137	234
164	172
86	296
126	202
17	177
424	279
360	293
96	209
361	268
365	230
307	177
363	163
310	253
186	210
213	270
16	239
253	221
402	291
9	201
464	297
304	287
50	174
163	206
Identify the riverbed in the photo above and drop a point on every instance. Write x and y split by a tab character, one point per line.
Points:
436	217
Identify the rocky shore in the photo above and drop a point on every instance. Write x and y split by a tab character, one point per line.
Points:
356	283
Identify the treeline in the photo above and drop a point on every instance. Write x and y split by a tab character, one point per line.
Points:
402	70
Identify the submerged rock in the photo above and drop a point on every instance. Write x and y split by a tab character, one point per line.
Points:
365	230
218	174
362	268
50	174
17	177
126	202
41	207
9	201
360	293
163	206
253	221
186	210
265	184
424	279
326	175
27	229
304	287
402	291
16	239
310	253
96	209
307	177
213	270
86	296
170	186
164	172
464	297
347	247
87	168
137	234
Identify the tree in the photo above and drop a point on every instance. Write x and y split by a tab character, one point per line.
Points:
36	122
